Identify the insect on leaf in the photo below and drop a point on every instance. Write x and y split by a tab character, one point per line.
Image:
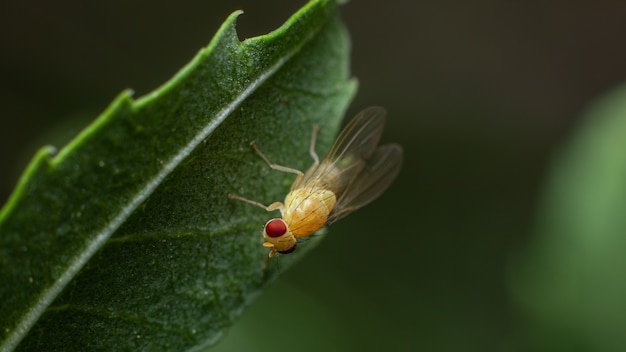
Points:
125	237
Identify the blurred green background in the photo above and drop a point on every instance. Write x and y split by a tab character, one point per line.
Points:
481	94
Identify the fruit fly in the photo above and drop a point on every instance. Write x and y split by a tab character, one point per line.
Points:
354	173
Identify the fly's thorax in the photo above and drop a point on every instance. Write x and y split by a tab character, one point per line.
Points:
307	209
278	237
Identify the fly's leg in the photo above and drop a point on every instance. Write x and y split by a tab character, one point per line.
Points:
278	205
316	159
271	207
276	166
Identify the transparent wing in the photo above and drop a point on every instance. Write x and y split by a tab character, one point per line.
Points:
360	136
377	175
349	153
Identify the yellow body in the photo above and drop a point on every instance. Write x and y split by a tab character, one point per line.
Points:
307	209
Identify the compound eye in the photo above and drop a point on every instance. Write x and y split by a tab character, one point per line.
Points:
275	228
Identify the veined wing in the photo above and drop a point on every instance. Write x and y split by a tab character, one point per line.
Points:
377	175
349	153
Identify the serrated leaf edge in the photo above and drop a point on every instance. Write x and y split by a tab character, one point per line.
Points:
48	296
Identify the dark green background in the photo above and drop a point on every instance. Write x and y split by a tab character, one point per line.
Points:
480	94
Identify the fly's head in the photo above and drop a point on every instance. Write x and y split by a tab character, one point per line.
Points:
278	237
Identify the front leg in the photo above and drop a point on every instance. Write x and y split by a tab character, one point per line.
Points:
271	207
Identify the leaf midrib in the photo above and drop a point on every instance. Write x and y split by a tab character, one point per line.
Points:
49	295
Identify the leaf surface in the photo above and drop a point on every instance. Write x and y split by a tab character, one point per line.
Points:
126	237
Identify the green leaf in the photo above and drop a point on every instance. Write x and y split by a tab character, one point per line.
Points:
126	237
572	282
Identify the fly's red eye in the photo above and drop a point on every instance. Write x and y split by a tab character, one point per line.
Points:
275	228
